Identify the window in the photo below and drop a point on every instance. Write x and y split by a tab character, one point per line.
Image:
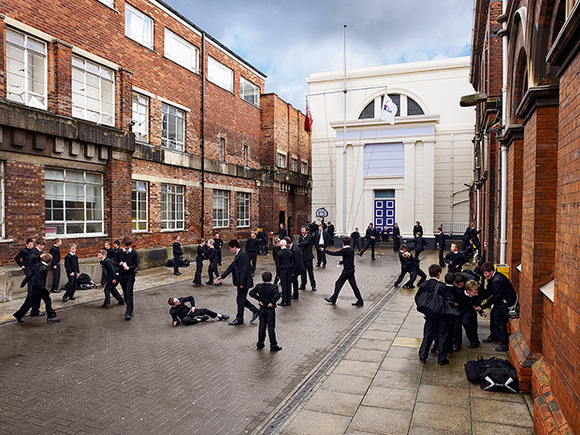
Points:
172	127
180	51
220	74
243	209
110	3
281	160
172	207
245	151
93	91
406	106
221	209
249	92
2	212
138	26
139	202
26	69
141	117
384	160
222	149
304	168
294	164
73	202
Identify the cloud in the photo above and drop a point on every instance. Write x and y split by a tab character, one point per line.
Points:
289	40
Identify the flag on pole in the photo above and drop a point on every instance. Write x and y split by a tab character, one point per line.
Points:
388	111
308	119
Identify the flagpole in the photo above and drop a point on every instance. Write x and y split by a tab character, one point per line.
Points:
344	145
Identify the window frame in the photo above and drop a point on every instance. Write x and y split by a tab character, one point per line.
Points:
146	38
139	125
245	154
173	192
255	98
165	140
135	221
294	164
222	149
243	208
170	53
214	78
27	95
222	196
280	154
84	108
109	3
66	223
303	164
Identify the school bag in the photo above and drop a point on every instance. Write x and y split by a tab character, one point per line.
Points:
493	374
84	282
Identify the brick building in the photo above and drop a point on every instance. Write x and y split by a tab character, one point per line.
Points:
124	118
526	67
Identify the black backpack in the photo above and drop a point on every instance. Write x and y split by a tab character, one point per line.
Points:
493	374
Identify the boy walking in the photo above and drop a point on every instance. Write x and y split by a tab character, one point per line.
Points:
71	265
128	261
110	283
347	254
267	294
55	266
177	255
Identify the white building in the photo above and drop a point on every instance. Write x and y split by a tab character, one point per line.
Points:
414	170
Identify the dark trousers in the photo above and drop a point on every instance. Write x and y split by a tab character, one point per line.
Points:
468	319
320	256
55	279
198	270
253	260
422	276
417	252
295	286
357	244
396	243
344	277
434	330
103	277
219	255
190	319
212	270
33	299
412	275
441	256
308	269
127	283
36	301
498	323
71	285
267	321
264	247
111	289
242	302
176	262
286	283
371	243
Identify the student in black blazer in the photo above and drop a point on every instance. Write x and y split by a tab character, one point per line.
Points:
371	236
305	243
347	254
71	266
285	266
396	237
298	265
321	241
267	294
55	266
440	240
242	279
177	255
252	249
110	284
128	261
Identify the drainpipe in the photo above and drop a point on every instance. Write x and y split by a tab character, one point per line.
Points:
202	219
503	149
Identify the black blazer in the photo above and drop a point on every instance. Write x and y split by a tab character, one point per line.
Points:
71	263
433	284
417	229
132	260
211	255
252	245
182	310
325	237
266	293
285	260
55	252
396	232
177	249
110	269
298	268
23	258
371	232
458	260
347	254
240	270
281	233
305	244
37	278
501	290
440	241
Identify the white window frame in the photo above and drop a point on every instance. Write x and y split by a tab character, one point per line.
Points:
139	205
140	107
83	69
181	51
220	75
167	117
2	203
221	208
249	92
172	196
29	48
222	149
243	209
294	164
281	159
110	3
66	179
304	167
245	154
138	26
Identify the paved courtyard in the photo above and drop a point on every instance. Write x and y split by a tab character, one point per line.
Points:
342	369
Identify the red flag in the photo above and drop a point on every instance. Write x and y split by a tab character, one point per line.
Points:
308	119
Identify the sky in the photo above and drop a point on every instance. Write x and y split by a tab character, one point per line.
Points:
290	39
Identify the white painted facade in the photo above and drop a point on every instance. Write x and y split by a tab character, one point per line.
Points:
434	149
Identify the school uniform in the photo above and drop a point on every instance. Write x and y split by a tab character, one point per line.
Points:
200	256
371	237
189	315
502	297
396	239
55	267
321	241
242	279
267	294
213	265
419	245
347	274
281	233
297	269
127	277
440	240
177	256
252	248
110	272
467	318
356	240
275	252
454	261
71	266
407	266
217	244
37	280
284	271
417	229
305	245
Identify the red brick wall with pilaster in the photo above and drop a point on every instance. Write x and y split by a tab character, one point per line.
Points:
118	196
60	78
514	209
538	218
2	59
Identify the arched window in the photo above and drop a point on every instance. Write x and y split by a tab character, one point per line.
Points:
406	106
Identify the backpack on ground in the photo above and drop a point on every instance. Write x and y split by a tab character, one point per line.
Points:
493	374
84	282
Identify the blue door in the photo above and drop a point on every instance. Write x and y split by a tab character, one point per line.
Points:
384	213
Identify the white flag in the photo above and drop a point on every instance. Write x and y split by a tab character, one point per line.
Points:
388	111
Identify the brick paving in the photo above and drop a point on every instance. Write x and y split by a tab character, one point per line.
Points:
94	372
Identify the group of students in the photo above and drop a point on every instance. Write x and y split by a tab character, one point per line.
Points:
119	267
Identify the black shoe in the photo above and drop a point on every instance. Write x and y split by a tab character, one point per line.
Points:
177	274
330	301
406	286
223	317
105	306
275	348
373	258
358	304
55	291
433	350
472	345
54	319
127	317
444	362
318	265
502	348
260	346
199	284
294	297
302	287
65	298
39	314
323	266
19	319
423	361
255	315
284	304
209	283
121	302
236	322
359	254
456	348
72	298
489	339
